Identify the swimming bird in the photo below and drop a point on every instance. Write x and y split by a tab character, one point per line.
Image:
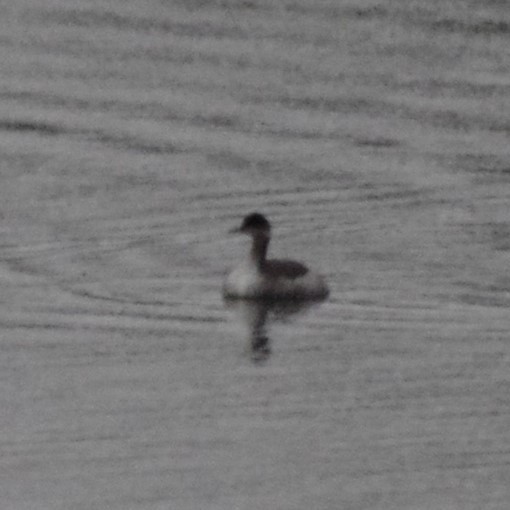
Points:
260	278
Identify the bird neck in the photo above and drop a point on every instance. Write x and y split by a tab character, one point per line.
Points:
260	243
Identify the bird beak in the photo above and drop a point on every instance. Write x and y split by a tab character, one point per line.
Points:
236	230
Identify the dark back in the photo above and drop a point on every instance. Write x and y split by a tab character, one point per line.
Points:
284	268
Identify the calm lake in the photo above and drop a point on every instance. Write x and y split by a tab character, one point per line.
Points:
375	135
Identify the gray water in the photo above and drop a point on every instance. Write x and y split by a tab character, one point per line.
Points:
374	135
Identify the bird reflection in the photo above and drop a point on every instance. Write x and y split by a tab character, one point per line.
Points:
256	314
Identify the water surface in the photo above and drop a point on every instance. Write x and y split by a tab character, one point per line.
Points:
374	136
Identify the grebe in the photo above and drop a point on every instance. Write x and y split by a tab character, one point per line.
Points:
260	278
